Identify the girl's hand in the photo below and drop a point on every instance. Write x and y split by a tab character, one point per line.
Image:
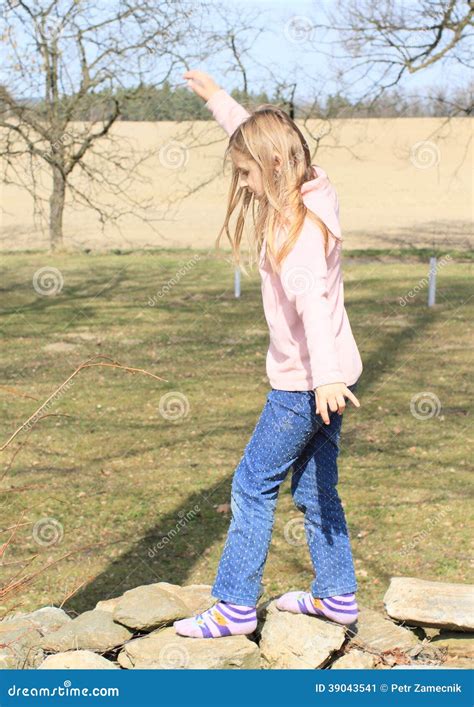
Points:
202	84
333	394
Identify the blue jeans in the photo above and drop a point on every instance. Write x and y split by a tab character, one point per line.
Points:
287	434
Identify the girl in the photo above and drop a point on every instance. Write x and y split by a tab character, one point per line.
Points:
312	364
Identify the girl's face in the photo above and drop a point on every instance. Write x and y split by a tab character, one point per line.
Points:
249	173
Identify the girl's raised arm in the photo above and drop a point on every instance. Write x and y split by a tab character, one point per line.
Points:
225	109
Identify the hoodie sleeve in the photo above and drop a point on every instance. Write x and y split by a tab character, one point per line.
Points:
227	112
304	281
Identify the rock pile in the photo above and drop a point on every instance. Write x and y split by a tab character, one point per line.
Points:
427	624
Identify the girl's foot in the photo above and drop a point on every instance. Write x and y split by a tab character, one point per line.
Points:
341	608
222	619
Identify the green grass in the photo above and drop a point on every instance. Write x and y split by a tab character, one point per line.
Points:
118	476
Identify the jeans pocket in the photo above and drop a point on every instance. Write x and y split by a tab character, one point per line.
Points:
291	403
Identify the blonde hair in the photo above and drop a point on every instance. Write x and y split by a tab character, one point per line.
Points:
266	132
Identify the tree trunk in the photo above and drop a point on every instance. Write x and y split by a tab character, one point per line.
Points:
56	209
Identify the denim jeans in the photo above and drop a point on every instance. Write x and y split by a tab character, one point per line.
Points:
288	434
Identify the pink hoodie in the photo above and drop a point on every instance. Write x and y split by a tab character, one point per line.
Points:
311	341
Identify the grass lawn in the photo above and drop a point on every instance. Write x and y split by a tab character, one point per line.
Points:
129	477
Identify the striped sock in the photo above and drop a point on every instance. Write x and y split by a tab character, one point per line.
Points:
341	608
222	619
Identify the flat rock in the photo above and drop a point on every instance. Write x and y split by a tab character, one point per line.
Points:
297	641
354	659
108	604
44	620
425	603
197	597
166	650
93	630
20	649
77	660
149	607
457	643
376	632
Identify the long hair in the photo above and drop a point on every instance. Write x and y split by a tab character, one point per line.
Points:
266	132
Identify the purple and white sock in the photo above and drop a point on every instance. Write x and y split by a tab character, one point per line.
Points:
341	608
222	619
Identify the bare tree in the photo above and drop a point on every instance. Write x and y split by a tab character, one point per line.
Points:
388	39
64	60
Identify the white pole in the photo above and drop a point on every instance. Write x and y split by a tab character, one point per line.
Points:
432	283
237	281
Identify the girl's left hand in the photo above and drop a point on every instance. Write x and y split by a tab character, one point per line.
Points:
201	83
333	395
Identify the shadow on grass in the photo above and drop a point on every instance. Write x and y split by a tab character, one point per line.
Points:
175	560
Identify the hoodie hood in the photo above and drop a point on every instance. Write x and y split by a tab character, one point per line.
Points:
320	197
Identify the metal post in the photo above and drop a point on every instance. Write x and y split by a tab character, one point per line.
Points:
237	281
432	283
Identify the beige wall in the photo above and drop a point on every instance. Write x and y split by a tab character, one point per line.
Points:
392	190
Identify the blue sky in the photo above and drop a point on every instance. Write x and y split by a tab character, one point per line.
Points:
287	47
315	54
